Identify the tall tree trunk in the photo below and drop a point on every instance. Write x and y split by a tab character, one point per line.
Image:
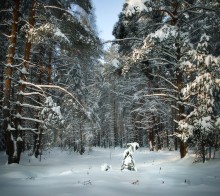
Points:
38	136
151	134
2	145
114	108
49	67
158	130
179	75
203	149
23	77
9	133
82	148
183	144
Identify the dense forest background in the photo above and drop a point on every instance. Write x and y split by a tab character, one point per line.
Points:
157	84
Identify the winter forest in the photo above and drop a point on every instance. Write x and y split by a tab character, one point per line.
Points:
72	102
157	83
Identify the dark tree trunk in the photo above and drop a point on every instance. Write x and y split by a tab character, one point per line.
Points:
82	149
9	133
179	75
183	144
23	77
38	136
158	130
183	149
203	149
49	67
151	136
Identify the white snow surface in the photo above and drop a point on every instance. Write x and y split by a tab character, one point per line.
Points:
61	173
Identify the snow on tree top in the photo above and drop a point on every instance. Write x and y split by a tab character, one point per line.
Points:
132	147
135	6
115	63
49	101
164	32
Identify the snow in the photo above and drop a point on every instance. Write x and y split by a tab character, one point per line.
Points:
9	128
61	173
59	34
106	167
115	63
24	71
165	32
136	6
128	162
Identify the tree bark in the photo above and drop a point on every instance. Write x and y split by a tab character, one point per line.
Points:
49	67
183	144
151	135
8	132
38	136
23	77
179	76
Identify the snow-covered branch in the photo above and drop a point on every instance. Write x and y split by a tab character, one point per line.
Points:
155	75
162	95
58	8
160	59
30	119
33	93
30	106
35	131
125	39
54	87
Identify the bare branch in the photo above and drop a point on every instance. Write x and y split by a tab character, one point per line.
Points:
174	107
165	80
188	104
8	36
125	39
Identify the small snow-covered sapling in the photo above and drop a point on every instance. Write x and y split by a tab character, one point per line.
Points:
128	161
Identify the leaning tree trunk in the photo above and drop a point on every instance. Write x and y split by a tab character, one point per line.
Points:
8	131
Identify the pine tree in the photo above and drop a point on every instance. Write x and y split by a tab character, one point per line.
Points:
161	46
199	124
44	43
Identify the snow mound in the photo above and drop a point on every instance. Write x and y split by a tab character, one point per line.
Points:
65	173
105	167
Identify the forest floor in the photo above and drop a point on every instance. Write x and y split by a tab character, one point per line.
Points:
61	173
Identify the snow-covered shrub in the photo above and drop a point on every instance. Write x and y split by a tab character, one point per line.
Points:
128	162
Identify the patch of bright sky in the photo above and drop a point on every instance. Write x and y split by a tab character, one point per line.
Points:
107	12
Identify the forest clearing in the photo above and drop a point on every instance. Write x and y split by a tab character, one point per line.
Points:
64	173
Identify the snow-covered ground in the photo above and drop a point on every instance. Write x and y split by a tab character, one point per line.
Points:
61	173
